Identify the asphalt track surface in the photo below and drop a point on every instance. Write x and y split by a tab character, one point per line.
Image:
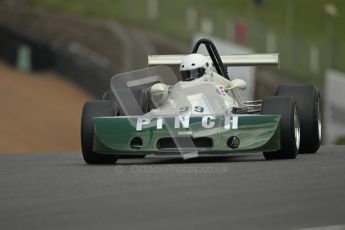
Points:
58	191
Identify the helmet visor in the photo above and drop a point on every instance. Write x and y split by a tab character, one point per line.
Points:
189	75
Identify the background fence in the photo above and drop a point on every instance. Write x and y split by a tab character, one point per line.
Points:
307	48
303	56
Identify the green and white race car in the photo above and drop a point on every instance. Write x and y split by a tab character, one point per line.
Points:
150	111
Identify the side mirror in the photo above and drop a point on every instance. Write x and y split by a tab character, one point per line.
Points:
238	84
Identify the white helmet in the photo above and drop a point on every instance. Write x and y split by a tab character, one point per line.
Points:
194	66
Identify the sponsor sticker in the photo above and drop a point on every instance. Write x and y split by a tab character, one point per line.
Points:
220	90
182	122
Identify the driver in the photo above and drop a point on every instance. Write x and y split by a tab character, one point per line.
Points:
194	68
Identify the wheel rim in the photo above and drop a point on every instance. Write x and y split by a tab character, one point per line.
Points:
319	120
297	129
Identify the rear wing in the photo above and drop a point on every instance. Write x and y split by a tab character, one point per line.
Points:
228	60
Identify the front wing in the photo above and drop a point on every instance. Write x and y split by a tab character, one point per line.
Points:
169	135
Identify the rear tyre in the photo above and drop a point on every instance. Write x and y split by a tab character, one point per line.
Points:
92	109
308	103
289	125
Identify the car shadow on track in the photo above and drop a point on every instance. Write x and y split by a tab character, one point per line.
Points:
179	160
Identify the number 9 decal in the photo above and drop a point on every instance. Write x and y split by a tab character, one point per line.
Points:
183	109
199	109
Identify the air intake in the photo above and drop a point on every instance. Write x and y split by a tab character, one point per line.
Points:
185	143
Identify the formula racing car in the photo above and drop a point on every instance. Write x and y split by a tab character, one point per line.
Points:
201	113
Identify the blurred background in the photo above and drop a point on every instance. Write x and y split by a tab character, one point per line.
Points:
56	54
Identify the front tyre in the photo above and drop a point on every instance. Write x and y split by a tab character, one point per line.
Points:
93	109
286	107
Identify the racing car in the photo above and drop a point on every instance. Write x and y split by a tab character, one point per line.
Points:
153	112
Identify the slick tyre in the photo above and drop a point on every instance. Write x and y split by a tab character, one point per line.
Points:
308	103
92	109
286	107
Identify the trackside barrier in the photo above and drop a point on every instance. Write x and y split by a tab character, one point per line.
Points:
88	71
